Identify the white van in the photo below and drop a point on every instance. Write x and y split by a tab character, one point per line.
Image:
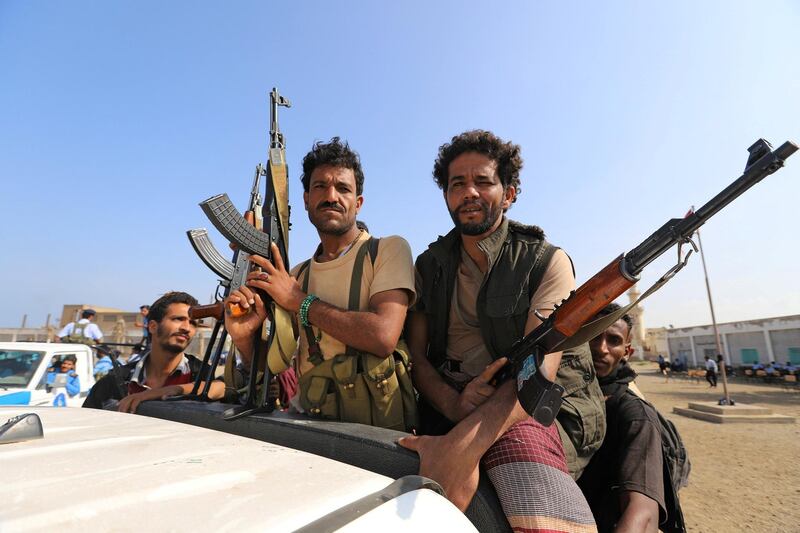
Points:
23	371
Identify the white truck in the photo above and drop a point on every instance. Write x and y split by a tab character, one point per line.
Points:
23	371
98	470
194	469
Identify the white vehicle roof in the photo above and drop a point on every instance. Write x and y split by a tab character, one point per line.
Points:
101	471
41	346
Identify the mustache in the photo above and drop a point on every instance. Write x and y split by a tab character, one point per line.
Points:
336	206
473	203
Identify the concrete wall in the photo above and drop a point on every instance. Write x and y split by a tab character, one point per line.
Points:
754	340
706	345
771	338
782	340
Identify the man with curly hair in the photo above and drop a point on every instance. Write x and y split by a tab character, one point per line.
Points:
481	288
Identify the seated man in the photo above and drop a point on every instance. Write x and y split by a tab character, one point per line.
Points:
350	300
165	369
481	288
64	383
624	482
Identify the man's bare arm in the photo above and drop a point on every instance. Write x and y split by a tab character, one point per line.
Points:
639	513
426	379
375	331
452	460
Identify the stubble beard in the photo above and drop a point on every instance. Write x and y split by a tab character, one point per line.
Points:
490	216
330	227
164	342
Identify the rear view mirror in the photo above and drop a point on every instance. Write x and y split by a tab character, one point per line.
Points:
26	426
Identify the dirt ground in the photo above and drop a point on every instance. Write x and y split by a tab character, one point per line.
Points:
745	477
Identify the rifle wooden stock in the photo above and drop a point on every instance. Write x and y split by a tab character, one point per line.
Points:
215	310
584	304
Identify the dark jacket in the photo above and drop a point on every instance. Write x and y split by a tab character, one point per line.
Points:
518	257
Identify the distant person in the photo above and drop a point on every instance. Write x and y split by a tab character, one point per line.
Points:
65	383
625	482
84	331
711	372
663	367
164	370
757	366
105	364
142	323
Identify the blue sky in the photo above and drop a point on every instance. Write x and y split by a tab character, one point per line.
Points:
117	118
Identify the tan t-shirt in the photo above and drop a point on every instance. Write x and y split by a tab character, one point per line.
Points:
464	340
393	269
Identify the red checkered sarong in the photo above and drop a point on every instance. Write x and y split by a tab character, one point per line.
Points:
529	473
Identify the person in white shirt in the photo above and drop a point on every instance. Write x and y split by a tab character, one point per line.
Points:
84	331
711	371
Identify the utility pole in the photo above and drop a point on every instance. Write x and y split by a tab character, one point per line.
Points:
714	321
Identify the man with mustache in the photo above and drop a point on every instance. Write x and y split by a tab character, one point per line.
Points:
340	326
165	369
478	288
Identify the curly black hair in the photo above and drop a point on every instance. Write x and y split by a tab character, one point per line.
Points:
506	154
159	308
612	308
337	154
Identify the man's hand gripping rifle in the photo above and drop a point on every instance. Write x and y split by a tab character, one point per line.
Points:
571	323
265	222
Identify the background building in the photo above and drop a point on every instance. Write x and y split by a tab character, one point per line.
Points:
764	340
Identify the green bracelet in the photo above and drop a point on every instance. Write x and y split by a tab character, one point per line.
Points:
305	305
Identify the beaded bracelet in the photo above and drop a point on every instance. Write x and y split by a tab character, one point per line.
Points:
304	307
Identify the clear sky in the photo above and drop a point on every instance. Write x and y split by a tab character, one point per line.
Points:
117	118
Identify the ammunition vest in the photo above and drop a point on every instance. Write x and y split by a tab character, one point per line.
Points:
356	386
78	334
518	257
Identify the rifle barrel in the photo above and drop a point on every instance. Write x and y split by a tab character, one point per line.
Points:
679	229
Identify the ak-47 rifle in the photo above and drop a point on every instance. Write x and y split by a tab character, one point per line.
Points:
571	324
233	275
275	342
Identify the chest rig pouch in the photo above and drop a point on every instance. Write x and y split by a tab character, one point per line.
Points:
357	386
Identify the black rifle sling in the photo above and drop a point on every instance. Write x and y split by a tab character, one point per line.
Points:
371	246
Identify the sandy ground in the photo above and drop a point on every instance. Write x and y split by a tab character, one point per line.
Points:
745	477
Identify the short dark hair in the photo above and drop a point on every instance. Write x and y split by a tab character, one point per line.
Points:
70	357
336	154
141	307
613	308
507	155
88	312
159	308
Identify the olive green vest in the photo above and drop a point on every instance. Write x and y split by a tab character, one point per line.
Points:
518	256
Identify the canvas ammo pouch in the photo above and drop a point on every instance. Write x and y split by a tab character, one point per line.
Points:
356	386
